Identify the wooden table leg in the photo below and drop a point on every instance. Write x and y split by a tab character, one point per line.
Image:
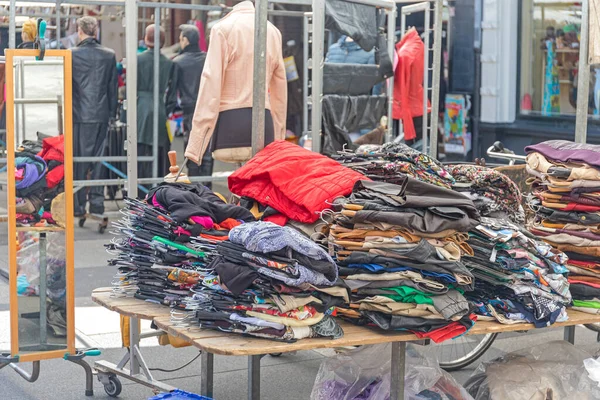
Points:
207	361
398	370
254	377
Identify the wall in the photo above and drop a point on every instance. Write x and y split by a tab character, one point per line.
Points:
499	61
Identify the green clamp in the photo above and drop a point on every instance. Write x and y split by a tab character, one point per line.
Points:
40	40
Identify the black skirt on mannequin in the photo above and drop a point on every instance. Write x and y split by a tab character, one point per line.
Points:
234	129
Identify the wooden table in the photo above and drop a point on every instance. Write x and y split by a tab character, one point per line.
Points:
213	342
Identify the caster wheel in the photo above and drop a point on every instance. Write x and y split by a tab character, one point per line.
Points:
81	222
275	354
101	228
114	387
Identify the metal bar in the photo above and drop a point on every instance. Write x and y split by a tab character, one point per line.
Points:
207	370
569	334
36	101
375	3
260	76
286	13
73	2
437	65
156	69
58	32
12	26
134	341
131	34
398	370
583	80
18	110
426	78
254	377
391	33
293	2
143	366
178	6
413	8
305	47
22	94
43	290
318	34
89	376
109	159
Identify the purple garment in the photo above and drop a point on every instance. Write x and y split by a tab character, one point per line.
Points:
34	170
566	151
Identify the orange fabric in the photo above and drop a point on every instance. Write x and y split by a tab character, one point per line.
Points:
227	78
408	82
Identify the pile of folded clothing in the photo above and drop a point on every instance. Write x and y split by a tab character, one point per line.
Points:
399	248
388	163
519	279
566	198
167	241
494	194
286	182
39	175
270	282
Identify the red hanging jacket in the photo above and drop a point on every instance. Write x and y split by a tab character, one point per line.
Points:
296	182
53	149
408	81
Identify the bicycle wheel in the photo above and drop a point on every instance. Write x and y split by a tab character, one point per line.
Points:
460	352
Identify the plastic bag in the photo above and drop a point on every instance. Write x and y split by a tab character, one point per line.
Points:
549	371
178	394
364	374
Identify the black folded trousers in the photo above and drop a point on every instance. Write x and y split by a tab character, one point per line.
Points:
89	140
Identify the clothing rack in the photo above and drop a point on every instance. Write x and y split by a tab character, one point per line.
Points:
315	35
430	120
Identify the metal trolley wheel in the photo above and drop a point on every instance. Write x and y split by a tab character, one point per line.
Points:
113	387
464	350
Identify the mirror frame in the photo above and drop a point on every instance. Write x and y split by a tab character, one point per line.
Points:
12	220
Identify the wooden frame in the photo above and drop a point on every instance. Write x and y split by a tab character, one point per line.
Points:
68	185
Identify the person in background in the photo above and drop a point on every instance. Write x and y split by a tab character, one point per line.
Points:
28	34
95	100
167	101
189	64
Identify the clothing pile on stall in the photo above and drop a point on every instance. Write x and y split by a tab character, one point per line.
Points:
494	194
399	248
566	199
39	174
166	242
390	162
518	279
270	282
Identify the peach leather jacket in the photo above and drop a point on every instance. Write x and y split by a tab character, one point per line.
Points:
227	78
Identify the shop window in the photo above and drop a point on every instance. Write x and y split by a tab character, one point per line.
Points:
550	34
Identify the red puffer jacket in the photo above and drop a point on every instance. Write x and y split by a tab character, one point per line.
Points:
53	149
296	182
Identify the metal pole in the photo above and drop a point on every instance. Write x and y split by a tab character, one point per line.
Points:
23	116
58	32
43	289
391	28
131	33
305	47
260	76
398	370
254	375
569	334
12	28
426	79
318	34
207	365
437	65
156	88
583	81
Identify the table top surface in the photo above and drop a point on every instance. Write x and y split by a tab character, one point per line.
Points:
224	343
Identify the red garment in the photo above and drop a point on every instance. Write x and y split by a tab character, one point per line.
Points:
296	182
277	219
408	82
53	149
591	284
584	264
580	207
450	331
